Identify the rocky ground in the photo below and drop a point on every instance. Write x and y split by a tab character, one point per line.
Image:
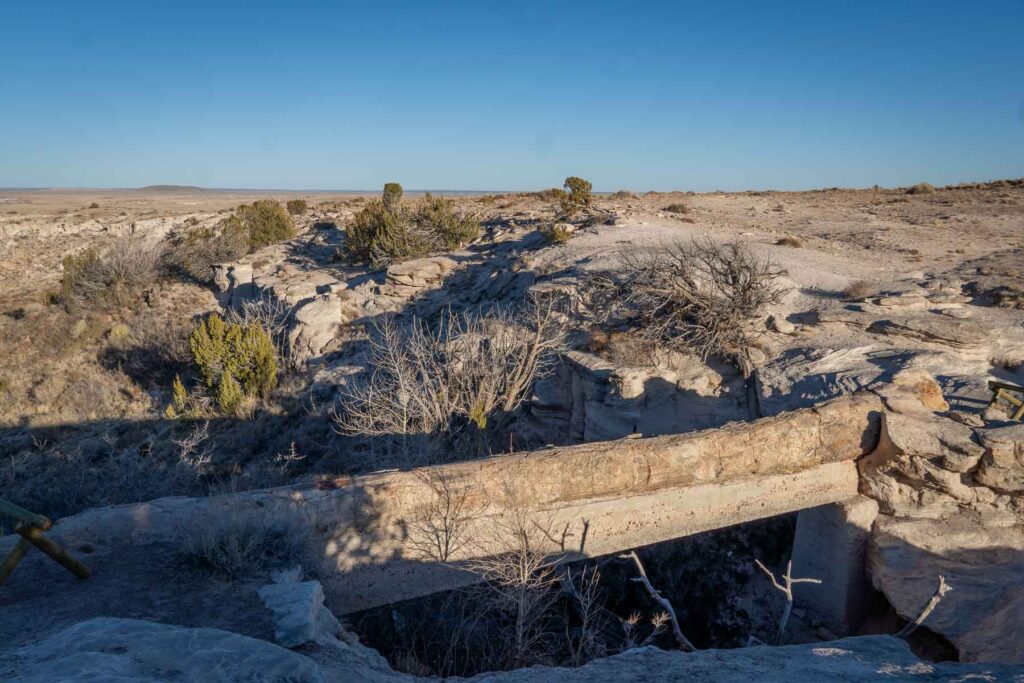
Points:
878	284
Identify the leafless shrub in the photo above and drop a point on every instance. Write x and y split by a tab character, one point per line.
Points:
517	562
112	278
786	588
271	315
631	628
858	290
440	530
585	641
699	297
243	543
435	390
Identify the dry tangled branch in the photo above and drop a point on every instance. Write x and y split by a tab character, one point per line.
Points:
699	297
518	564
434	390
787	589
440	531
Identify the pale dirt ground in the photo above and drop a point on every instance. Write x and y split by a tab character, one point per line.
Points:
975	233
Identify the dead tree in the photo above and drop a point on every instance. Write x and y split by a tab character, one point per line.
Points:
787	589
684	642
940	591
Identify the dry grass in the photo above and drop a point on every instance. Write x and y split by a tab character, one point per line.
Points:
790	241
678	207
245	543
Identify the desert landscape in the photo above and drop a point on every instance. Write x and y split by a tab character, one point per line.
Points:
540	435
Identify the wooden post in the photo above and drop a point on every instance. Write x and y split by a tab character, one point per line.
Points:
23	515
34	535
13	558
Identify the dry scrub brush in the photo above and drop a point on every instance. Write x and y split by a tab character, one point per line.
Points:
699	297
109	279
245	543
436	392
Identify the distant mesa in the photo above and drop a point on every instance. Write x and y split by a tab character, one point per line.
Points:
172	188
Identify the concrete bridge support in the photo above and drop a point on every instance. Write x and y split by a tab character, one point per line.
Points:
831	545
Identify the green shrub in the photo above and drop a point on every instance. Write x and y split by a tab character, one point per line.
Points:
265	222
198	250
392	197
579	194
380	235
556	233
436	216
235	361
921	188
297	207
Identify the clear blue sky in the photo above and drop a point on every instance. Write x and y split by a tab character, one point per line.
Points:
510	95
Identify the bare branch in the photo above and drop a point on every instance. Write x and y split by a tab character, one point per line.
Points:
684	643
940	591
787	589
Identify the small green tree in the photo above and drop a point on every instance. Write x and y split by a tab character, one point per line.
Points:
265	222
297	207
392	198
229	393
236	354
579	194
437	217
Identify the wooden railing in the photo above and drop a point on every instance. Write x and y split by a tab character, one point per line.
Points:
30	527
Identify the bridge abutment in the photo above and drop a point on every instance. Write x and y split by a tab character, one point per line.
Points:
831	545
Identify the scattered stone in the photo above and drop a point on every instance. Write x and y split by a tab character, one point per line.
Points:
299	613
781	325
1002	467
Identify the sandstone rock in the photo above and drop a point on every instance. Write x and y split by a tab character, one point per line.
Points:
299	613
314	330
420	273
933	329
108	649
1002	466
781	325
983	615
923	386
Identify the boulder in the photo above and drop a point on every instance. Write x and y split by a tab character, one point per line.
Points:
781	325
1002	466
299	613
314	328
419	273
982	561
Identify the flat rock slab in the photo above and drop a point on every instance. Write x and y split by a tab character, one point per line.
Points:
107	649
933	329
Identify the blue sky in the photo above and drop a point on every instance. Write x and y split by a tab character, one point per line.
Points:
510	95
